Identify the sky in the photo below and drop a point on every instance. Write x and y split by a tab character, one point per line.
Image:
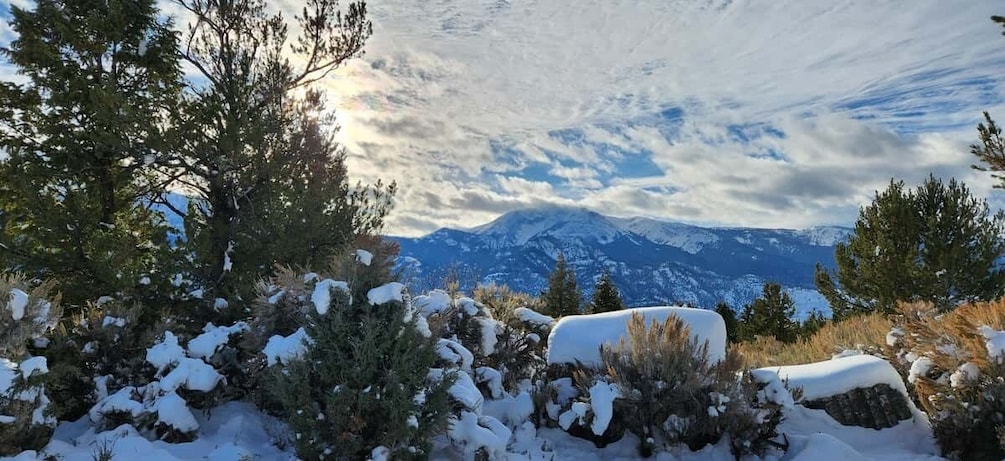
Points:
779	114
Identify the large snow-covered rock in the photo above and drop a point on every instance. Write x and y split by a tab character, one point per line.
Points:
838	376
858	390
579	337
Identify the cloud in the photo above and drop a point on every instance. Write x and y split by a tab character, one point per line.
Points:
787	113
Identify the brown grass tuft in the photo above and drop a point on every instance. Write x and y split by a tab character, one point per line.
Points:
864	332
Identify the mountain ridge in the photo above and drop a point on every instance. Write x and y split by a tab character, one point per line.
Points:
652	261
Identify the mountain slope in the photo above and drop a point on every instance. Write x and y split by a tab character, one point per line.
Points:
651	261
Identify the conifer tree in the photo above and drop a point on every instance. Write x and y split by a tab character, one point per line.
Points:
936	243
79	135
310	201
729	318
770	315
367	378
235	124
605	297
562	296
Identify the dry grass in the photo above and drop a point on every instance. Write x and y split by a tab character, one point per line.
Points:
866	332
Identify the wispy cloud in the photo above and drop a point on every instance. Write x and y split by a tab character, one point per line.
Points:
786	113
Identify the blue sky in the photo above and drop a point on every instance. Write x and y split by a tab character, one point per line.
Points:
782	113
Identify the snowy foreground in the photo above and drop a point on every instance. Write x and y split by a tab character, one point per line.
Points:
238	431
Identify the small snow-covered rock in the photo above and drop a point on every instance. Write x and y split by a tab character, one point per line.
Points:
533	317
173	411
283	349
919	367
213	338
322	297
33	365
386	293
17	304
165	353
995	342
602	397
473	432
364	257
113	321
455	353
434	302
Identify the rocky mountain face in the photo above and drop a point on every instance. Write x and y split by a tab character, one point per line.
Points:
651	261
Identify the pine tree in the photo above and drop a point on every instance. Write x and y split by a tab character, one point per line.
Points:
605	297
367	379
813	323
310	201
770	315
729	318
235	124
562	296
936	243
102	75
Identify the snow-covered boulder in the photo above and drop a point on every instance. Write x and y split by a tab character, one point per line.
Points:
579	337
858	390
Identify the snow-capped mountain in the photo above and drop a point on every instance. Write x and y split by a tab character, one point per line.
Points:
651	261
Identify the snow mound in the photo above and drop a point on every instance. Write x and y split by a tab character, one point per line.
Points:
18	302
579	337
213	338
434	302
322	296
364	257
837	376
386	293
532	317
286	348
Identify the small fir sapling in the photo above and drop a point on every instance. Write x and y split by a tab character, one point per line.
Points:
366	377
27	315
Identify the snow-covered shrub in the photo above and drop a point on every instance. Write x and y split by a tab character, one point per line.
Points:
359	373
180	375
660	383
27	314
956	365
503	354
106	340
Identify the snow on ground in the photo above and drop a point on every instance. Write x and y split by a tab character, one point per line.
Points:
578	337
239	431
230	432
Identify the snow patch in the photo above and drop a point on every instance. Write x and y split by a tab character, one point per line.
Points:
18	302
213	338
284	349
322	296
386	293
364	257
532	317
